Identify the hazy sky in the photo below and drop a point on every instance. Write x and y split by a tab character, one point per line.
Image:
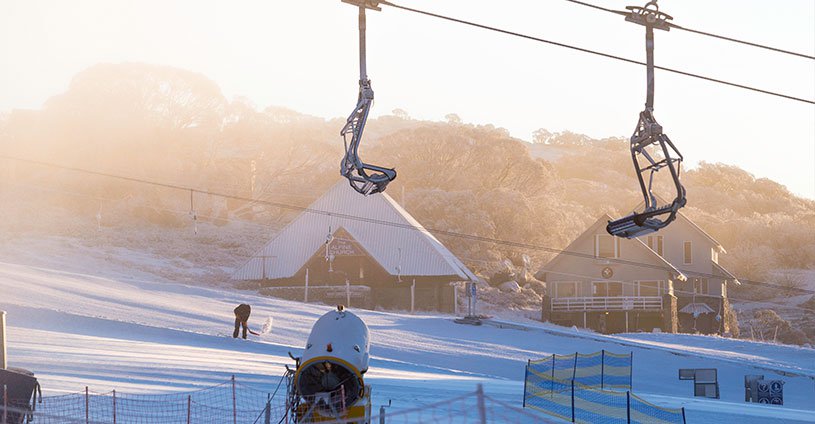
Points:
303	55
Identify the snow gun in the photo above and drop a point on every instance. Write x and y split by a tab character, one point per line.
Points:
327	384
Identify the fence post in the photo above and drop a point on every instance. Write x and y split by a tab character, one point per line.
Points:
114	407
87	406
602	368
382	414
482	409
574	370
628	406
526	377
572	400
553	376
267	417
683	415
189	408
631	371
234	403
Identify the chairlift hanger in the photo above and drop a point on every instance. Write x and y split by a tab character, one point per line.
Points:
364	178
647	136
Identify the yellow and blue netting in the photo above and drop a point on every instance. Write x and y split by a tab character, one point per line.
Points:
584	388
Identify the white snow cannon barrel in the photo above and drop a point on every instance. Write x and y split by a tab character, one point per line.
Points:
333	363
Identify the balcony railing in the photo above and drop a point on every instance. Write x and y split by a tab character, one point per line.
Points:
613	303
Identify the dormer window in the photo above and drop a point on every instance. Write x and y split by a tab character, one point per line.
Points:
655	244
606	246
688	253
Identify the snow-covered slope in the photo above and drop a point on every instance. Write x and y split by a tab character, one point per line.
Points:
136	335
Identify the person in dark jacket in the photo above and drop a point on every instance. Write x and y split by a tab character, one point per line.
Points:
242	313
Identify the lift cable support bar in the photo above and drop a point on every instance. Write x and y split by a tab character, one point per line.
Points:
364	178
651	149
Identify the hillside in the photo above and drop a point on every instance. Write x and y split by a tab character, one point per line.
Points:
174	126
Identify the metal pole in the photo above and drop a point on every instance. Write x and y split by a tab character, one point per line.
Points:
413	296
649	61
267	417
5	404
3	351
628	406
602	368
114	407
347	294
573	401
482	409
234	403
526	378
189	408
382	414
305	296
87	406
363	71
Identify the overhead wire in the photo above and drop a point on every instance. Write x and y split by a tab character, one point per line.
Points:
705	33
434	231
597	53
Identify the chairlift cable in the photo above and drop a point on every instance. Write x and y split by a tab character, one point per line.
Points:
508	243
598	53
705	33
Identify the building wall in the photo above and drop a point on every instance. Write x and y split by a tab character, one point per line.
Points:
585	271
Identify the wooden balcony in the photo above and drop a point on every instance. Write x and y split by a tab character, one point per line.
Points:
613	303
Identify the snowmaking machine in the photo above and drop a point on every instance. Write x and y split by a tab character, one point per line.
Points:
327	383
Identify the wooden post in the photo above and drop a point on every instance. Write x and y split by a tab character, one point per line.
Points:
234	403
3	351
482	409
455	298
189	408
114	407
305	296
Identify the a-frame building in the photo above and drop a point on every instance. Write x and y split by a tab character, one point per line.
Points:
365	241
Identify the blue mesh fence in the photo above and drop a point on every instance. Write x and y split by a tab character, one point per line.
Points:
581	388
643	412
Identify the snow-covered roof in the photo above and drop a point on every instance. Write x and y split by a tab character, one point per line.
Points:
381	226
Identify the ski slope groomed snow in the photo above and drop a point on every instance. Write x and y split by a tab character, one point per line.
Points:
109	332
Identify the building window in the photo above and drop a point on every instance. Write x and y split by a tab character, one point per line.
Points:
714	255
649	288
701	286
606	246
566	289
607	288
655	243
688	253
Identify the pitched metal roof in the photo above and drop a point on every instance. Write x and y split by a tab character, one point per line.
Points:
380	225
